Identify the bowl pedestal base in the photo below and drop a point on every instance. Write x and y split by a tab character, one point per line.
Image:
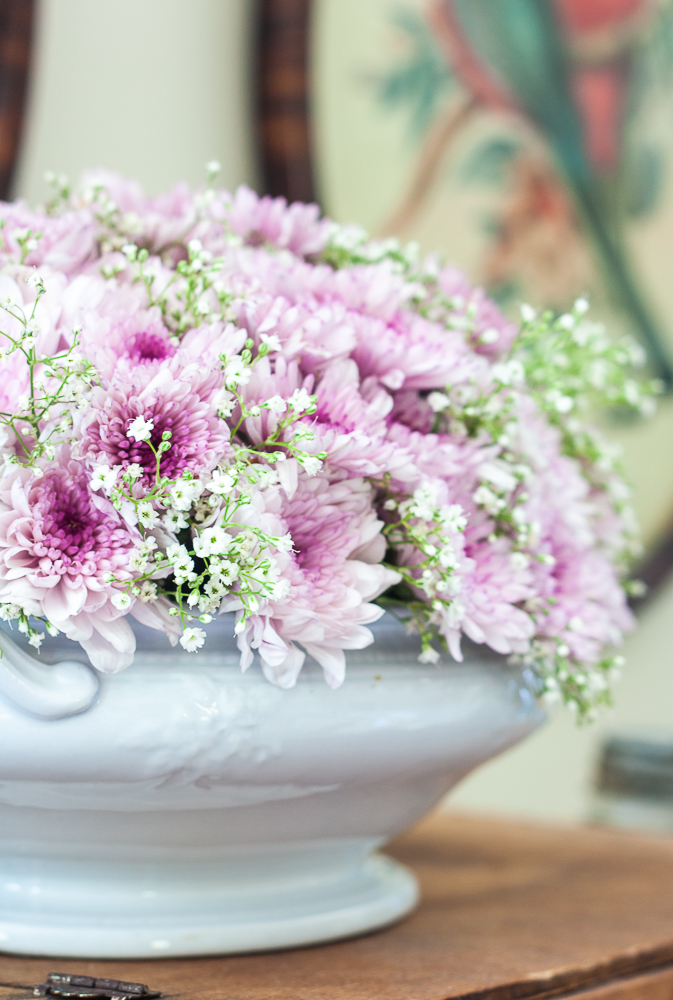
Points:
254	901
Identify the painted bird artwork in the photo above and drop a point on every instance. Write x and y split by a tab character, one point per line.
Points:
566	76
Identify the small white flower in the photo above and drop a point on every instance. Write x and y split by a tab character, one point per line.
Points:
284	543
276	404
133	472
225	404
453	517
36	639
560	402
184	493
519	560
280	589
498	475
147	515
487	498
489	336
272	341
509	372
438	401
448	558
236	372
175	520
192	639
176	553
138	561
140	429
104	477
310	464
221	482
581	306
300	400
121	601
148	591
429	655
212	542
527	312
227	571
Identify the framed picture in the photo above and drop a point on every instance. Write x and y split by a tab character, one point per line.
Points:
531	142
16	37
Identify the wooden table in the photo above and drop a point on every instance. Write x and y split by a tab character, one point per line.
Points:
509	910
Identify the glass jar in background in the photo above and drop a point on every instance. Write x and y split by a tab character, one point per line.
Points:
634	782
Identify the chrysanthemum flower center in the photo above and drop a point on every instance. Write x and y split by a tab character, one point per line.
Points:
149	346
175	460
70	534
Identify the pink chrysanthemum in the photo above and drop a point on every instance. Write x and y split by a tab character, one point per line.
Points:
62	242
490	333
134	340
58	543
334	573
182	401
307	405
295	227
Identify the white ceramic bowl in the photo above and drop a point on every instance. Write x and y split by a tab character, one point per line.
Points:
194	810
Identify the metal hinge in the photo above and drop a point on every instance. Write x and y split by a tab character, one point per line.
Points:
88	988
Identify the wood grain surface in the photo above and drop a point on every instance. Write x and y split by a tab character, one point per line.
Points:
651	986
508	911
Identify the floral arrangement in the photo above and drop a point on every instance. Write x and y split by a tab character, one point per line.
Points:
214	402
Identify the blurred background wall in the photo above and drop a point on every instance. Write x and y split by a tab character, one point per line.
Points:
151	88
154	89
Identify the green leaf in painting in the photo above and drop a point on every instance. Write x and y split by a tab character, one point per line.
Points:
489	162
644	181
420	80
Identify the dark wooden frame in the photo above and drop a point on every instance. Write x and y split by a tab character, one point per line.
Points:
17	19
283	98
284	137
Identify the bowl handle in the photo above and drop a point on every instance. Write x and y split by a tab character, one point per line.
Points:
48	691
